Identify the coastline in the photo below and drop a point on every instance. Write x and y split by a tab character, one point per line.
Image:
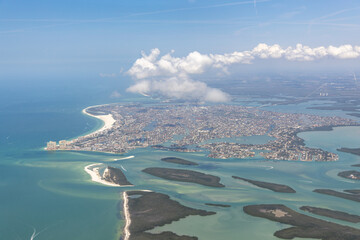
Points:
127	216
107	119
93	171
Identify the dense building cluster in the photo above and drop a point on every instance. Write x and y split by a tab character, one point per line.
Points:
187	128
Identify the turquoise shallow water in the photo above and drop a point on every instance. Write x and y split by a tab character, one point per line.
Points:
51	192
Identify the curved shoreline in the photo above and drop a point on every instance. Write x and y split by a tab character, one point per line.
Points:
108	121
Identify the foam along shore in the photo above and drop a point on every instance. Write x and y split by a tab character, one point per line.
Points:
107	119
93	171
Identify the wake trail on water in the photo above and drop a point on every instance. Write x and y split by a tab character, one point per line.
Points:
119	159
35	234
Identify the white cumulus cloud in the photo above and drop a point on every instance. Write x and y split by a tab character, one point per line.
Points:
170	76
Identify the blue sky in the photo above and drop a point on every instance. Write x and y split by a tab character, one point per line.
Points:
88	37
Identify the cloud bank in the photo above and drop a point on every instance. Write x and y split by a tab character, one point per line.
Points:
170	76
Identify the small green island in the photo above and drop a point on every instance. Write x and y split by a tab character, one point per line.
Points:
183	175
179	161
116	176
303	226
353	175
332	214
271	186
147	210
348	196
355	151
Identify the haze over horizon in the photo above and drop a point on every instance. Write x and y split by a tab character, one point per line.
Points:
104	40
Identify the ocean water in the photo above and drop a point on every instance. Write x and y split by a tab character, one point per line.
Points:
51	193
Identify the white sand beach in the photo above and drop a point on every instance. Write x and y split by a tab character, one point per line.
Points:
127	216
107	119
93	171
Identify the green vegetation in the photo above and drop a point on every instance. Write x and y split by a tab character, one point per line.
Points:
183	175
353	191
355	151
272	186
150	209
332	214
304	226
161	236
217	205
115	175
352	197
353	175
178	161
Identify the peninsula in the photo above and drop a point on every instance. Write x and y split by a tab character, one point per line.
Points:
145	210
271	186
183	175
139	126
